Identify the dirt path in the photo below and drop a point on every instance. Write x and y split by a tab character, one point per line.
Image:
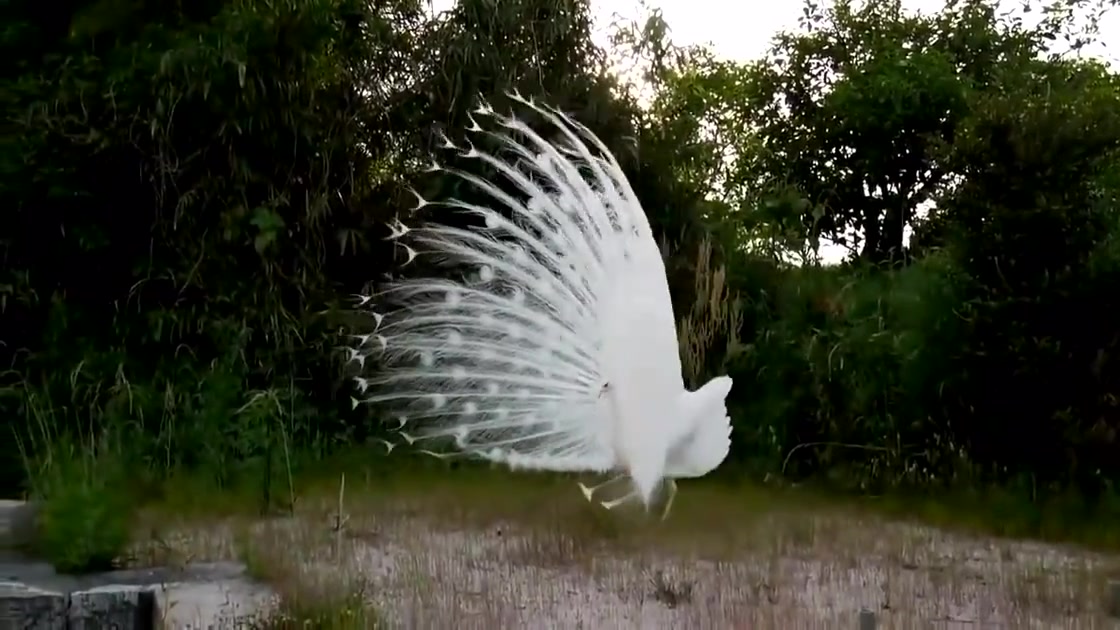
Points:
423	569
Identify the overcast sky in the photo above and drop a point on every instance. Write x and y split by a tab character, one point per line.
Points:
742	29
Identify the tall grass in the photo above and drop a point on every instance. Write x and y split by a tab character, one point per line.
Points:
93	446
708	333
82	485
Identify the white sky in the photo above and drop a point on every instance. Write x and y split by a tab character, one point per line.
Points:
742	30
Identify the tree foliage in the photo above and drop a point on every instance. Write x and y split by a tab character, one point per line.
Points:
193	191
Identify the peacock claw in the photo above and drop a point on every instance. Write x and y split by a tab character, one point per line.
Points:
587	492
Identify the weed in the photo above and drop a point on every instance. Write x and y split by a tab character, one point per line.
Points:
85	504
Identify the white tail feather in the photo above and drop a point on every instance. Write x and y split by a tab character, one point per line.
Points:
558	349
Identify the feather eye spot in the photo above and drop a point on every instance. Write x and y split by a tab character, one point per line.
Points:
458	373
439	401
427	359
453	298
492	388
493	220
454	338
470	408
485	273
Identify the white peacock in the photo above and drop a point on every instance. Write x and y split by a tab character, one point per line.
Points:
558	351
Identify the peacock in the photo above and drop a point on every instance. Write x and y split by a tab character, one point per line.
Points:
552	344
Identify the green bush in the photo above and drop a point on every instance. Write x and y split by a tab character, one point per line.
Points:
86	502
846	368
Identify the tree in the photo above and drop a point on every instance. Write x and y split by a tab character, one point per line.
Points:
192	193
856	112
1033	223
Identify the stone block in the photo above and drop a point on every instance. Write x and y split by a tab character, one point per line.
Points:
113	608
17	523
24	607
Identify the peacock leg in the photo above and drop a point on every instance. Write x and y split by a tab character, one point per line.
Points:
587	492
610	505
672	483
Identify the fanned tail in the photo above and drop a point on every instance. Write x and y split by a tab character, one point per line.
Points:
506	363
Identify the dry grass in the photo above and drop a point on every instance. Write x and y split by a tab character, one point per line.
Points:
711	326
490	551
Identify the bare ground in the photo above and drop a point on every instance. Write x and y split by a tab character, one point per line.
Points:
437	558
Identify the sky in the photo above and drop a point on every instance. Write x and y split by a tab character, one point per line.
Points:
741	30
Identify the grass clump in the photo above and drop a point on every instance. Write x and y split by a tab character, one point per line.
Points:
310	565
85	508
347	612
